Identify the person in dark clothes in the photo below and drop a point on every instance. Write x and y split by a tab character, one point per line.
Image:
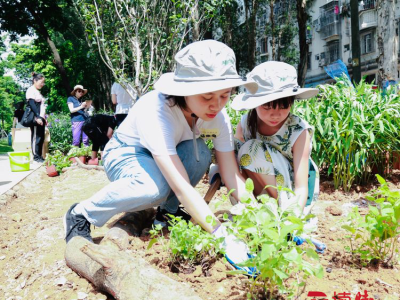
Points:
36	102
99	128
18	113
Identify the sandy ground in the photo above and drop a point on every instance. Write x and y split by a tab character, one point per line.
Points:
32	245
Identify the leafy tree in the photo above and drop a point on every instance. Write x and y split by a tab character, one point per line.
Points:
135	39
40	17
282	30
10	94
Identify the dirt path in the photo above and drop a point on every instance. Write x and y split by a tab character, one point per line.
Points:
32	246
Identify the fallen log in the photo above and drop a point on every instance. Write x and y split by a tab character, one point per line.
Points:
79	164
114	270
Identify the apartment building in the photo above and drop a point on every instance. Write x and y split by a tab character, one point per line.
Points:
329	37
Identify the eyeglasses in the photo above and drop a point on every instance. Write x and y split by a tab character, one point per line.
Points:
79	91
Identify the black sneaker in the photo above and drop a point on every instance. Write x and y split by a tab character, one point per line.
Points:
162	216
76	225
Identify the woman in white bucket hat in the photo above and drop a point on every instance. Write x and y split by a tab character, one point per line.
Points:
156	156
274	145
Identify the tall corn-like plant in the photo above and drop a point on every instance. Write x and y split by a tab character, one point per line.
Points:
356	129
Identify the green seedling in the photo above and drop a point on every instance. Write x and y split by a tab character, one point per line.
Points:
188	244
374	237
283	267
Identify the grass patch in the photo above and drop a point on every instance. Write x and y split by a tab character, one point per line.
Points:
4	148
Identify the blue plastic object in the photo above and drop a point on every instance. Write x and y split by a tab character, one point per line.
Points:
319	246
250	271
338	69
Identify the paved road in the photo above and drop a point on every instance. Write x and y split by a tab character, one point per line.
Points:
7	178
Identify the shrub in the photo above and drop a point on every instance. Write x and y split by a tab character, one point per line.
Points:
374	237
58	159
355	130
77	151
188	244
60	132
283	267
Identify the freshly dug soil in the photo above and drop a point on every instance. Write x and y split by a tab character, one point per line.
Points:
32	245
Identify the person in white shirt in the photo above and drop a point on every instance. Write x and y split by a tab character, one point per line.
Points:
37	103
123	101
157	156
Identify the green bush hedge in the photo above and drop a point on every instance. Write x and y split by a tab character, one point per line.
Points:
356	130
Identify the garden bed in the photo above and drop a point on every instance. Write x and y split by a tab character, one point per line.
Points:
32	247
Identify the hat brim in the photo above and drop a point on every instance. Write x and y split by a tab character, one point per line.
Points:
84	92
244	101
167	85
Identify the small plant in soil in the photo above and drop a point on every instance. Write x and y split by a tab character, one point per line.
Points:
188	244
266	228
373	238
77	151
58	159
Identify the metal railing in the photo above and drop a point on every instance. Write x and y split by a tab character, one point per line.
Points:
367	4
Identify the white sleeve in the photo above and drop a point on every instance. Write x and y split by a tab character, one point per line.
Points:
30	93
224	141
114	88
156	131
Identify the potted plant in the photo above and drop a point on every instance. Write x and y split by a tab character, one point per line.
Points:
56	162
81	153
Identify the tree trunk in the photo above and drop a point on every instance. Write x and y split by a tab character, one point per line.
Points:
122	274
42	31
302	18
387	42
195	22
251	32
228	12
272	21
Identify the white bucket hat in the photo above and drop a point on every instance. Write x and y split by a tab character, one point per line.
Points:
275	80
203	67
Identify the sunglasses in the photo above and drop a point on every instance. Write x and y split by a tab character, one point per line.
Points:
79	91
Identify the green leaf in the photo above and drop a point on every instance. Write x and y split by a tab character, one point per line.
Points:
151	243
292	255
249	185
280	274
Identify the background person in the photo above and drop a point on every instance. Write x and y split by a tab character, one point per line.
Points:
274	145
156	156
78	115
37	103
123	101
99	128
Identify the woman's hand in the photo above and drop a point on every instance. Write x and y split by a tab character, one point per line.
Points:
39	121
83	105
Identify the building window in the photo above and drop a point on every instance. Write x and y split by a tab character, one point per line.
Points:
309	56
367	43
264	45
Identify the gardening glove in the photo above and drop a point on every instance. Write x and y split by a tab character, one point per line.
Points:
238	209
213	174
319	246
236	251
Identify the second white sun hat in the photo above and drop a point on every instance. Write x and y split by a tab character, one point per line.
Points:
275	80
